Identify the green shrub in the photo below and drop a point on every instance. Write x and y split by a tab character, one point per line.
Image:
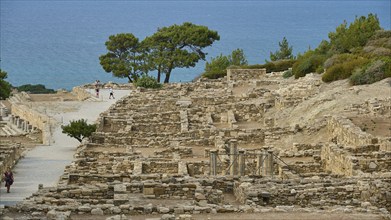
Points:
237	58
288	73
309	62
5	87
373	72
338	58
255	66
343	70
79	129
381	35
276	66
148	82
215	74
217	67
35	89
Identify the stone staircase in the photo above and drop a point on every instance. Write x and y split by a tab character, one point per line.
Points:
9	130
19	98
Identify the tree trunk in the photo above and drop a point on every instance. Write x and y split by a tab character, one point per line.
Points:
167	79
130	79
158	74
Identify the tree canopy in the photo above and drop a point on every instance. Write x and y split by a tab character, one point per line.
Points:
345	53
177	46
344	39
79	129
217	67
5	87
284	53
125	58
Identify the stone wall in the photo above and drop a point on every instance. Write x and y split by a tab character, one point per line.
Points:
159	167
314	192
9	155
34	119
343	131
356	160
80	93
245	74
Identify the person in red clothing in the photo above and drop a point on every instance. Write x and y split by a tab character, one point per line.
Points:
8	178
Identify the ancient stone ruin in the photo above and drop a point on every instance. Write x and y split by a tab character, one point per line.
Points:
250	142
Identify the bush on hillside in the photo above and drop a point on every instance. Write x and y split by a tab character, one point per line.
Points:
338	59
343	70
379	44
309	62
35	89
288	73
345	38
148	82
217	67
276	66
373	72
5	87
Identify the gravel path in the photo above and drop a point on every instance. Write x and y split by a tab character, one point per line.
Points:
45	164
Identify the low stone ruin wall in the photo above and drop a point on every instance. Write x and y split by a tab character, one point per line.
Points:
343	131
172	152
337	160
245	74
80	93
35	119
9	155
160	167
166	191
314	192
354	161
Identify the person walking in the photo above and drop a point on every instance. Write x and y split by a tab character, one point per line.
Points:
97	85
8	178
111	93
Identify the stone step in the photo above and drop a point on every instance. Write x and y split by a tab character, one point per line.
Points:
8	130
92	99
14	99
11	130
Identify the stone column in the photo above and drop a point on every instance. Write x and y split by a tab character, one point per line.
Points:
213	162
271	162
259	163
26	126
242	162
17	121
264	165
21	123
233	157
3	112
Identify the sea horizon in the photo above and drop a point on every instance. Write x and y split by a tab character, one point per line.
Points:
58	43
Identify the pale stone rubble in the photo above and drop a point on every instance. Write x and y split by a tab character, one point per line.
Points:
184	149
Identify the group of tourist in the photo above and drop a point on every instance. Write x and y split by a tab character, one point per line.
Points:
97	87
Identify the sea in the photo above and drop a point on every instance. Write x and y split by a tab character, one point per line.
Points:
57	43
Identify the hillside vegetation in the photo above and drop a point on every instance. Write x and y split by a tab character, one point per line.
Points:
359	51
